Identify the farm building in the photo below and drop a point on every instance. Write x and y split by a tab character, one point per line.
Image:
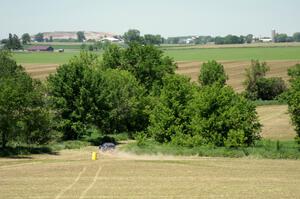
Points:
41	48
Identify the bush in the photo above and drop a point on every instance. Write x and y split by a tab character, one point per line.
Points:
212	72
270	88
256	71
222	117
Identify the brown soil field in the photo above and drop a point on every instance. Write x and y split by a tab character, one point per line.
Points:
72	175
236	70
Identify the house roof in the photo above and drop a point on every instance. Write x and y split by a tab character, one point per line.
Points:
39	48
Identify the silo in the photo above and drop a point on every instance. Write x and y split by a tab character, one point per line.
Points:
273	35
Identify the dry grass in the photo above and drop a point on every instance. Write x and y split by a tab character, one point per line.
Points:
236	70
73	175
276	122
40	71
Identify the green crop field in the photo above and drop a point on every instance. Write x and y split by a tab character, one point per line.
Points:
43	57
197	54
204	54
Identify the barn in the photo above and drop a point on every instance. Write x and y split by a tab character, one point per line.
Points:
41	48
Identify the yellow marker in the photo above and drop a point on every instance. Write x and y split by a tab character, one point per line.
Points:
94	156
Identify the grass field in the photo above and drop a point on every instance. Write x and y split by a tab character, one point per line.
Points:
276	53
72	174
236	54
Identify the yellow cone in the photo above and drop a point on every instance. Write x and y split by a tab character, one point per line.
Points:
94	156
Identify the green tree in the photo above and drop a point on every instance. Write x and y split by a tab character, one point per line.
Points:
80	36
256	71
281	37
65	87
249	38
294	72
39	37
221	117
293	98
167	117
212	72
12	43
26	38
132	35
113	57
21	101
296	36
113	99
146	63
152	39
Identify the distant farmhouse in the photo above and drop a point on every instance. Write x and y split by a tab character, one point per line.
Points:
41	48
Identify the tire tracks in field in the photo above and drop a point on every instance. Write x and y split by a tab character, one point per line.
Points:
71	185
92	184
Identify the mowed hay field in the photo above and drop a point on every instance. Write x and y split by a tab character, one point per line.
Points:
72	175
236	70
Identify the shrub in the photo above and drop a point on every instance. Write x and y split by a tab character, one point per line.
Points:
270	88
212	72
256	71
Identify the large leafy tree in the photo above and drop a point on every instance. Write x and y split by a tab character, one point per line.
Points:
65	87
80	36
12	43
221	117
84	95
133	35
21	101
26	38
212	72
167	117
147	63
296	36
39	37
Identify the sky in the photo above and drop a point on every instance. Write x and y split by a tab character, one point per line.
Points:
165	17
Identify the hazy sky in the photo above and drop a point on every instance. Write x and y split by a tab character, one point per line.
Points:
166	17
